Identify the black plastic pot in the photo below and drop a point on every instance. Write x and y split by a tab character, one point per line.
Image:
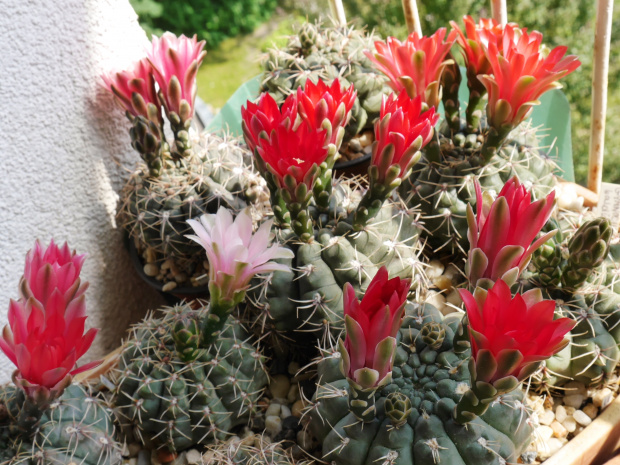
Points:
351	168
172	297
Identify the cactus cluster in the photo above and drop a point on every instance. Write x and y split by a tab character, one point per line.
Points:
172	398
414	412
154	210
319	51
251	450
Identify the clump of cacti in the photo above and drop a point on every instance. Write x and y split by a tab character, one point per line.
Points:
318	51
251	450
181	178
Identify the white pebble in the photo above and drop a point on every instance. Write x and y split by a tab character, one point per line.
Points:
560	414
279	386
150	269
574	400
436	300
546	418
602	398
169	286
194	457
558	430
590	410
273	410
581	418
285	412
273	425
554	445
570	424
544	432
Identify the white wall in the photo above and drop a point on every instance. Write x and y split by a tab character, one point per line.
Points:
65	150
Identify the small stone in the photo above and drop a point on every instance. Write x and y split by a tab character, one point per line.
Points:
279	386
454	298
150	269
285	412
569	410
590	410
293	368
355	146
167	264
435	299
180	278
529	457
602	397
273	410
570	424
443	283
293	394
304	439
366	139
546	418
544	432
581	418
169	286
298	408
575	387
435	269
273	425
560	413
194	457
574	400
554	445
558	430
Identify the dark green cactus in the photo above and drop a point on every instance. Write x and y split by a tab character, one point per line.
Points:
154	210
433	380
168	402
309	298
547	261
77	428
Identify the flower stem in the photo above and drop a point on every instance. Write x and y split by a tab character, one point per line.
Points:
470	407
362	402
473	113
494	141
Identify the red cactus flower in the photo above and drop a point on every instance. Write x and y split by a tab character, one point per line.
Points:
45	335
372	326
521	72
501	234
416	64
258	120
133	89
516	333
473	45
319	102
175	62
401	132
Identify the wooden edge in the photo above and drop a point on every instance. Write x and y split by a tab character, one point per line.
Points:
109	362
595	443
590	198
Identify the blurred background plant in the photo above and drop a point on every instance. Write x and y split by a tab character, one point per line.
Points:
238	31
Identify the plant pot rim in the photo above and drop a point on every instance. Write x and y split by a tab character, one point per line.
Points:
190	291
341	165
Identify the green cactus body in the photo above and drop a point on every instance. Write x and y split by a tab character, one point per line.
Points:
154	210
175	404
577	269
319	51
442	189
77	428
252	450
310	298
432	380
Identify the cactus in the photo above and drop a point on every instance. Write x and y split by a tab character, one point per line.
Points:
414	422
173	403
252	450
576	268
77	428
310	298
154	210
320	51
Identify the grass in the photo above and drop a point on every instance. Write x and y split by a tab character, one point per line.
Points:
237	59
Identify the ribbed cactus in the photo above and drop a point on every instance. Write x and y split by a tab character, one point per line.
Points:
77	428
310	297
154	210
252	450
174	398
572	269
414	423
328	52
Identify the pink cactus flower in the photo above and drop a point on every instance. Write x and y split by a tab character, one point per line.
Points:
521	71
402	131
134	89
45	335
235	254
319	102
501	234
416	64
371	326
175	62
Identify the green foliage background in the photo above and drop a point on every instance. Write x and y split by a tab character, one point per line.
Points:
562	22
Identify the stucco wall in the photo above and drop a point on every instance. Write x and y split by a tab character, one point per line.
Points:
65	151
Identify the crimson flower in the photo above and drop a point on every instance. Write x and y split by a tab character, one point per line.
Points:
473	44
401	132
134	89
372	326
521	71
259	119
175	62
45	335
512	335
415	65
501	234
319	102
